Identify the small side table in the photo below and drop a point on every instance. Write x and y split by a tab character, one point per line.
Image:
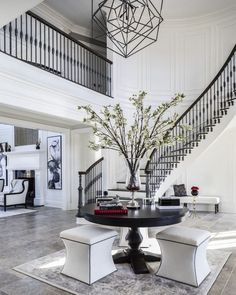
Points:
193	212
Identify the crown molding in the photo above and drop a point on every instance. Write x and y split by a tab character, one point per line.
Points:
58	20
217	16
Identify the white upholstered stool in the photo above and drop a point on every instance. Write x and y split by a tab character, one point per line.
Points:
183	251
88	252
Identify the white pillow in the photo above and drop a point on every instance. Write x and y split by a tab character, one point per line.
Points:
16	185
170	192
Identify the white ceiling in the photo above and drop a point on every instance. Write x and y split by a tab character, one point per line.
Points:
79	11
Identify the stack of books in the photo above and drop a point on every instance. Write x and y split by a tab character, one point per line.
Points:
169	203
110	207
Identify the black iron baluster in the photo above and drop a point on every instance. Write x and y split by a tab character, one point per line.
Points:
64	57
86	78
53	53
221	93
224	88
210	108
40	43
218	98
16	37
227	87
10	38
71	62
84	74
214	104
36	40
49	49
21	38
234	74
44	48
57	54
31	40
79	65
67	59
74	47
61	54
231	83
4	38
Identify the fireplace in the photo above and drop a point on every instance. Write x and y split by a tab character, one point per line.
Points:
29	175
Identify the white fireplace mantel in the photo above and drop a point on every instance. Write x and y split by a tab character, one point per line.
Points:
29	160
24	160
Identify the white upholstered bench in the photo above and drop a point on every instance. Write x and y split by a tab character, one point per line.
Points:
205	200
183	252
88	252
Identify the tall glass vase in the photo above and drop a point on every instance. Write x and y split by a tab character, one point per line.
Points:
133	181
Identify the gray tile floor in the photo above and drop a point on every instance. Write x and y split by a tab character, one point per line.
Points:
27	237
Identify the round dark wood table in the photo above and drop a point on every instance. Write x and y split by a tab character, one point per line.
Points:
146	216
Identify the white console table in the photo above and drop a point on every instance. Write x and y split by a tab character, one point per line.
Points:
204	200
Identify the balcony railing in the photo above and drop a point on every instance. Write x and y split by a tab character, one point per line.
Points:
35	41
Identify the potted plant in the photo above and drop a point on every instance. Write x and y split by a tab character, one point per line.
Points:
149	129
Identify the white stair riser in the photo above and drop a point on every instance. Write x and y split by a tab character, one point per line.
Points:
143	178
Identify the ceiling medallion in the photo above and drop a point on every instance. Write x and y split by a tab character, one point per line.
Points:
130	25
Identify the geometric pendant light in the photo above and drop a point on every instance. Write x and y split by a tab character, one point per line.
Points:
130	25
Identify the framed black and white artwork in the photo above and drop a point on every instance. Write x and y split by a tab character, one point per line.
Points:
54	162
3	170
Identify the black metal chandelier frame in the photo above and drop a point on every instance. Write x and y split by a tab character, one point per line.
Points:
127	29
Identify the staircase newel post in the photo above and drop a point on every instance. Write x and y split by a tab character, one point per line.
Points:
80	195
148	172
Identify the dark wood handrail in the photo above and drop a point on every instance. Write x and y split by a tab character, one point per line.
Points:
208	87
91	167
67	35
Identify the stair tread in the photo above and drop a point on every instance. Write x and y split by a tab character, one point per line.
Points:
171	156
223	109
209	126
182	149
170	162
191	141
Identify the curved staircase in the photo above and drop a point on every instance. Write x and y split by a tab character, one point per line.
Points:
207	117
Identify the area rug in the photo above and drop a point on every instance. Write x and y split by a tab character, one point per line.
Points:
12	212
123	281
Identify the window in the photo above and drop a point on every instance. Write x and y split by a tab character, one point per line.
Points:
25	136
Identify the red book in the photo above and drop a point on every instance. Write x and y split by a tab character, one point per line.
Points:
111	211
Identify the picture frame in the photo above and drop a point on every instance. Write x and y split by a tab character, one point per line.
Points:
3	147
54	162
3	168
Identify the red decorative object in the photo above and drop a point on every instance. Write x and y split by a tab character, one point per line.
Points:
111	211
195	188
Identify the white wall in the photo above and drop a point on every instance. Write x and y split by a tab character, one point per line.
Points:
11	9
185	58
